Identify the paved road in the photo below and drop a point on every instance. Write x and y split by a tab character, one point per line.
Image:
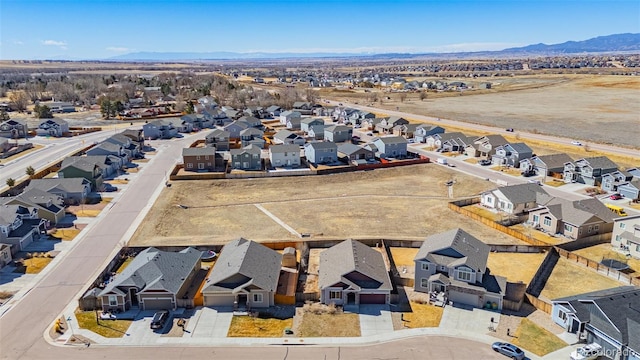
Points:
523	135
22	326
53	150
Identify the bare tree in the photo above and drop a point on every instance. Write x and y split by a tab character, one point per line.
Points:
312	96
19	100
402	96
423	95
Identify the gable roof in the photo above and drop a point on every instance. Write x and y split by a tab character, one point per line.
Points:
524	193
218	133
554	160
349	148
284	148
387	140
154	269
339	261
284	134
253	261
322	145
579	212
38	199
600	162
199	151
520	147
251	149
453	248
65	184
8	213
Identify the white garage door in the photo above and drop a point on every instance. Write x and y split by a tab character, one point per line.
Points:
157	304
219	300
463	298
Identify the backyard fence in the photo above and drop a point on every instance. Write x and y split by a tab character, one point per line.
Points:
597	266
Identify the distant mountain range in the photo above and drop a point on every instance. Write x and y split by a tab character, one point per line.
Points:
601	44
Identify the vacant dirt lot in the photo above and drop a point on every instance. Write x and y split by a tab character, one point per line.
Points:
599	108
394	203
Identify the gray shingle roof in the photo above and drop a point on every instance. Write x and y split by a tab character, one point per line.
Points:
348	148
601	162
218	133
322	145
8	213
75	185
391	140
523	193
338	263
520	148
199	151
79	162
153	269
555	160
579	212
284	148
245	262
251	149
453	248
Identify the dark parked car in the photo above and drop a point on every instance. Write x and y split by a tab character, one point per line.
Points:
510	129
485	162
159	319
509	350
528	173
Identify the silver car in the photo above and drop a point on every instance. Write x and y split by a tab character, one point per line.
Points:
509	350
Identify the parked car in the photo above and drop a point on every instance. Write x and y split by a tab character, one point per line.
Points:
509	129
576	142
536	182
485	162
159	319
615	197
587	352
356	138
509	350
528	173
369	133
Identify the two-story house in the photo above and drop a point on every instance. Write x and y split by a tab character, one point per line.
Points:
72	190
19	226
286	116
447	142
159	129
201	159
515	199
77	166
588	171
252	136
391	147
338	133
386	125
284	155
455	263
423	131
485	146
626	235
49	207
219	139
547	165
287	137
14	128
612	180
322	152
131	148
52	127
247	158
308	123
511	154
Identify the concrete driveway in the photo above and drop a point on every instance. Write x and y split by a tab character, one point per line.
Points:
375	320
468	318
209	323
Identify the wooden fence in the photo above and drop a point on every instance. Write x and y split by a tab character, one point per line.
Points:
597	266
539	304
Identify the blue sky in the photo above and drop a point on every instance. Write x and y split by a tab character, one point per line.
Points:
90	29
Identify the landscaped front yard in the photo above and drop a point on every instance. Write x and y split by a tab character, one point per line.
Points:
106	328
422	315
536	339
65	234
34	265
568	279
248	326
329	325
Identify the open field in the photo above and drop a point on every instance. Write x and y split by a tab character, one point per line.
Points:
606	251
536	339
562	281
247	326
597	108
515	266
394	203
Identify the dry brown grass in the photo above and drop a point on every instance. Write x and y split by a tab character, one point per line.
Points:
65	234
403	256
35	264
538	235
515	266
412	199
605	251
568	279
485	213
555	183
422	315
247	326
87	213
536	339
507	170
327	325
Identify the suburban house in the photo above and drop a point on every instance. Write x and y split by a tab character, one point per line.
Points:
286	116
81	167
14	128
405	130
197	121
154	280
108	164
181	125
235	128
338	133
588	171
287	137
49	206
455	263
131	148
53	127
316	132
304	108
19	226
423	131
284	155
246	158
72	190
391	146
159	129
351	273
322	152
5	145
635	172
216	116
245	276
370	124
351	152
274	110
5	254
306	124
547	165
453	141
610	318
136	137
201	159
252	136
386	125
612	180
60	107
108	148
630	189
485	146
626	235
294	123
511	154
252	121
515	199
218	139
573	219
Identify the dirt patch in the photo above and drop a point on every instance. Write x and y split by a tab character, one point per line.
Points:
409	201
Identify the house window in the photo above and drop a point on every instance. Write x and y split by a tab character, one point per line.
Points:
589	229
617	237
425	266
568	228
113	300
547	221
255	156
257	298
536	219
464	274
623	225
424	283
596	228
562	315
198	157
189	166
637	247
335	294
